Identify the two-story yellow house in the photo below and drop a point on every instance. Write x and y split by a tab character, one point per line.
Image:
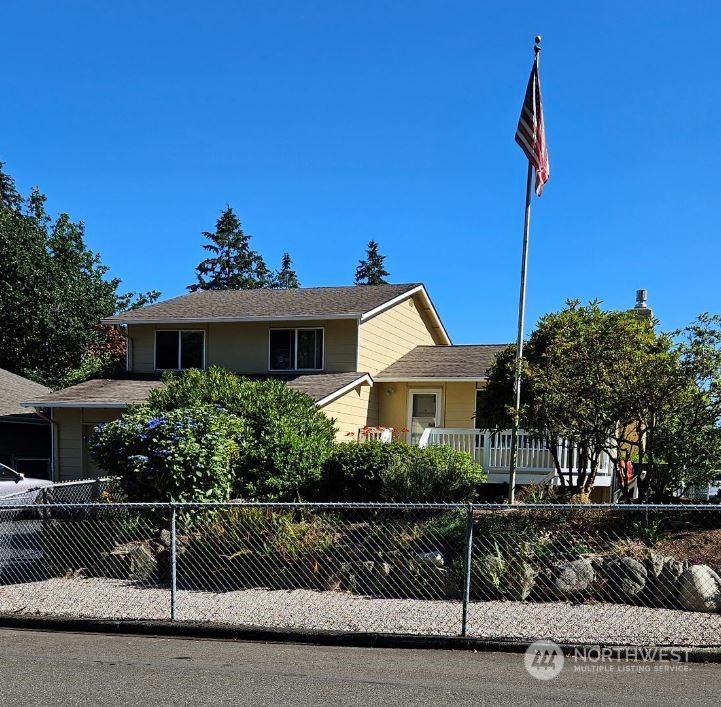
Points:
367	355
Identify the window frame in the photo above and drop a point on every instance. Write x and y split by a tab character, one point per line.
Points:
294	353
179	332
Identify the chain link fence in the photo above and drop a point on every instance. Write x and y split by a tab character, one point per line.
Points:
79	491
627	575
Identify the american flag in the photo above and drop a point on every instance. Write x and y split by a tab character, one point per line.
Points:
531	134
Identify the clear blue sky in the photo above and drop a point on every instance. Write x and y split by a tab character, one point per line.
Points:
327	124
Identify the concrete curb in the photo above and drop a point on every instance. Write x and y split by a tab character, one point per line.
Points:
187	629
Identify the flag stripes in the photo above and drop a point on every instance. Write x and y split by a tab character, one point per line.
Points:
531	133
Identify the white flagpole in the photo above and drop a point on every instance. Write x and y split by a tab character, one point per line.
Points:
521	320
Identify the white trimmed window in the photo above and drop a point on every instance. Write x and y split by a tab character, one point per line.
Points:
296	350
176	350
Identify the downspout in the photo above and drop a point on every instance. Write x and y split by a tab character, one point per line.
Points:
53	442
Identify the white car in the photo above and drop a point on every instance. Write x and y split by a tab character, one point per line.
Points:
15	488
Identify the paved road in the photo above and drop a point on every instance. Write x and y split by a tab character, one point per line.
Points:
43	668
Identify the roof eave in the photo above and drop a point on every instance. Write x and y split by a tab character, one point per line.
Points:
231	320
361	380
74	404
439	379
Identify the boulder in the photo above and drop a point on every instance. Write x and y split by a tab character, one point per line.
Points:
571	578
518	580
360	577
664	576
431	558
700	589
133	561
625	579
434	582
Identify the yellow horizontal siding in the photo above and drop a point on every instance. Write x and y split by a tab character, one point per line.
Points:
73	425
352	411
391	334
243	346
458	403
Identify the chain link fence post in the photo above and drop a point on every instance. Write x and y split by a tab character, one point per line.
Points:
43	503
467	569
173	563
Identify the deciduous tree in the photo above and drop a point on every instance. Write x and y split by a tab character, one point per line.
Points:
53	290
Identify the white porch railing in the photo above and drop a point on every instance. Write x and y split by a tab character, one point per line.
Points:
493	452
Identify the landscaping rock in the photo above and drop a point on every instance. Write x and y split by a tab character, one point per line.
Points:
434	582
518	580
664	576
133	561
700	589
626	579
432	558
361	577
164	537
571	577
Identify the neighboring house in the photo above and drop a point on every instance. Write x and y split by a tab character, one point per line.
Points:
24	436
369	356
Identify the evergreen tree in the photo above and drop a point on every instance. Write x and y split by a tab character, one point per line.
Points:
371	271
286	278
233	264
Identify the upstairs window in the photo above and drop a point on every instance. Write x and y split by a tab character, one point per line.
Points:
178	350
296	350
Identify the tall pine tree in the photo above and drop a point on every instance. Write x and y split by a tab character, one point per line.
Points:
233	265
371	271
286	278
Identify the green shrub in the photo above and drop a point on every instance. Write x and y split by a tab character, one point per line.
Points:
435	474
179	455
289	439
241	547
354	471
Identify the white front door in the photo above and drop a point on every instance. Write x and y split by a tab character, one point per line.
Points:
424	410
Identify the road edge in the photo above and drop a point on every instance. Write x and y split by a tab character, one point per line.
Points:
208	631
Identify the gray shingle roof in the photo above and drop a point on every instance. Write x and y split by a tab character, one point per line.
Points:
444	362
104	392
304	302
13	389
99	392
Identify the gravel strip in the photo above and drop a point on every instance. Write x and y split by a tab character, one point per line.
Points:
614	624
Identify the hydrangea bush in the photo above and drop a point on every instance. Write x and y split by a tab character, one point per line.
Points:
211	435
289	437
180	455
